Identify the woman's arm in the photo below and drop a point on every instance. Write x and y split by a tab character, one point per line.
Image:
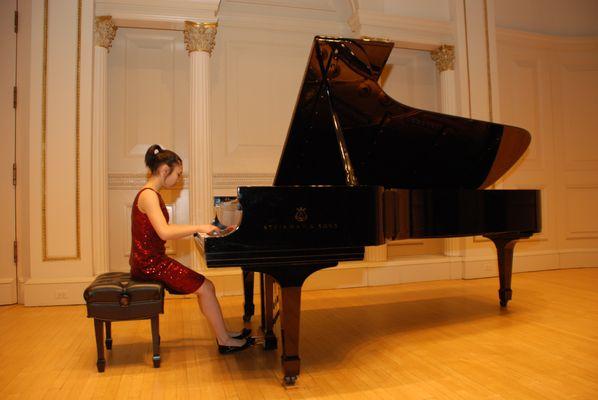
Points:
149	204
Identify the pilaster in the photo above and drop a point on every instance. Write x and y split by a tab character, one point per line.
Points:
104	34
444	57
199	41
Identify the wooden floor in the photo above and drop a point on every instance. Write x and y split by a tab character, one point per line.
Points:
432	340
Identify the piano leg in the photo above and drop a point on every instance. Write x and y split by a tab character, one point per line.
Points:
289	326
505	245
248	306
267	308
290	279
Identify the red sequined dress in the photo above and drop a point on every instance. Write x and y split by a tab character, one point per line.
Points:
148	258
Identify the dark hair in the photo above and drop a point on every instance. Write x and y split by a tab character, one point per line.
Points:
156	156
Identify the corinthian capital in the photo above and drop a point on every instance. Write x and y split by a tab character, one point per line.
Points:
444	57
200	36
104	31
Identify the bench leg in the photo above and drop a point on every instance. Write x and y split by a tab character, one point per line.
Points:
99	328
156	340
108	335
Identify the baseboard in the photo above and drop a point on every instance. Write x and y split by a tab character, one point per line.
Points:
359	274
417	269
485	267
54	292
8	291
228	282
578	258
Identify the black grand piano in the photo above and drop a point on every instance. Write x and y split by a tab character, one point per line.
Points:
359	168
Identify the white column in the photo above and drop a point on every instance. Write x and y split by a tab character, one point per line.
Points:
104	33
444	57
199	40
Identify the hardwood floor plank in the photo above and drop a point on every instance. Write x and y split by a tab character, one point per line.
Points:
427	340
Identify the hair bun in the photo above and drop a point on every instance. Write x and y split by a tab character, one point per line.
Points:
151	155
156	156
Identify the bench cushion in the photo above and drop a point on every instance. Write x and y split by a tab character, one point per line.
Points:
116	296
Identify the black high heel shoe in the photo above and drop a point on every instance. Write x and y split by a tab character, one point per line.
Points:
244	333
234	349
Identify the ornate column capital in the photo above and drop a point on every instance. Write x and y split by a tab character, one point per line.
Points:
200	36
444	57
104	31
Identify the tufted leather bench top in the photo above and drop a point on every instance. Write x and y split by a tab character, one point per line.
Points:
116	296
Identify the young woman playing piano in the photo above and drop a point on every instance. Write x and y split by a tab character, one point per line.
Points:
150	228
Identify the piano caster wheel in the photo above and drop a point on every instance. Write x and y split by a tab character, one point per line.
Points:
249	310
505	295
290	380
156	360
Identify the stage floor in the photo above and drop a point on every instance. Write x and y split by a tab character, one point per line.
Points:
427	340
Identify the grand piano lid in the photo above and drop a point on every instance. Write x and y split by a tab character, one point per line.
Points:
346	131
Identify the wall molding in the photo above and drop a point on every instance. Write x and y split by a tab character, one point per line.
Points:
173	11
121	181
232	181
281	23
538	40
428	33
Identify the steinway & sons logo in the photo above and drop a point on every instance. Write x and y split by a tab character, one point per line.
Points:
301	224
301	214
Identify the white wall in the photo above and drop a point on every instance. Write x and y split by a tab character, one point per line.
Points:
548	73
551	17
549	85
546	84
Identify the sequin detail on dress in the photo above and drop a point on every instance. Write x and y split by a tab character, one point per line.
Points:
148	258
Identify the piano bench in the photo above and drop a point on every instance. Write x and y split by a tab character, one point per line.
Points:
115	296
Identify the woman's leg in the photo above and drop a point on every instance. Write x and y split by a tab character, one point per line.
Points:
208	303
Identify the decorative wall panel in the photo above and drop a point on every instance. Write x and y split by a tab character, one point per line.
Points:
149	91
60	136
579	102
410	77
523	107
581	203
262	86
148	96
549	86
